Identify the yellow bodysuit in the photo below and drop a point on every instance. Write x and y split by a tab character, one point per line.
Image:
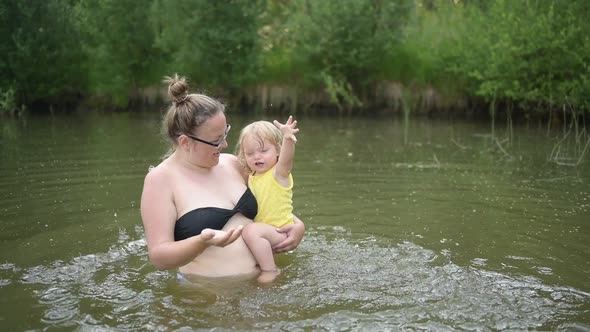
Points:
275	202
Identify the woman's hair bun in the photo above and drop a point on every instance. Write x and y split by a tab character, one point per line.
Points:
177	88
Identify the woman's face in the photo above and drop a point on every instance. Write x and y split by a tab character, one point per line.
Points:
209	140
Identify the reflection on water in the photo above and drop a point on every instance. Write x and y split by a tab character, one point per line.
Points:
438	230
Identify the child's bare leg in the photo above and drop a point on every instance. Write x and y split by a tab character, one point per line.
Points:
260	238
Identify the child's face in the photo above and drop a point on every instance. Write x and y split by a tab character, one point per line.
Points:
259	157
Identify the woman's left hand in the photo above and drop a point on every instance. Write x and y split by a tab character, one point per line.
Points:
294	233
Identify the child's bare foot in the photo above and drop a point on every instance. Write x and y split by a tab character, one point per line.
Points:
267	277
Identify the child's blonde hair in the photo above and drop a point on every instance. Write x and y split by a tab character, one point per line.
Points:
261	130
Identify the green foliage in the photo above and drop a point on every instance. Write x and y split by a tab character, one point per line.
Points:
338	45
428	44
119	44
348	39
40	50
213	42
7	101
526	53
530	52
340	92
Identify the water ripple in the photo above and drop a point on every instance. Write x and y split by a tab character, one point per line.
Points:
401	286
330	283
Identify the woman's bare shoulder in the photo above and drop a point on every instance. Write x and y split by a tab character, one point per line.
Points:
229	160
233	163
157	192
158	174
228	157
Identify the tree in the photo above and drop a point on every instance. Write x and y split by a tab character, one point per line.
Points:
41	55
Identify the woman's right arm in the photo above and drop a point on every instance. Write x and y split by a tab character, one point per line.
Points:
158	214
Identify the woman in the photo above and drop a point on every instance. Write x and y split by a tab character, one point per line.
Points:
195	203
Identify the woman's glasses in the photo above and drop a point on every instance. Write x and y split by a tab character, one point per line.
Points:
214	144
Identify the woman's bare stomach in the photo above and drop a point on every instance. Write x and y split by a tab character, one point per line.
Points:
231	260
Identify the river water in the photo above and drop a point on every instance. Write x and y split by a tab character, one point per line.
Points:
419	225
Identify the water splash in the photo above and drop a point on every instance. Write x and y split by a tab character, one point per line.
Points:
332	282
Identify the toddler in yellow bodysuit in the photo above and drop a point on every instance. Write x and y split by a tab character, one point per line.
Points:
267	150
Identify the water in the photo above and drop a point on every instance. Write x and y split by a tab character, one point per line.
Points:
424	226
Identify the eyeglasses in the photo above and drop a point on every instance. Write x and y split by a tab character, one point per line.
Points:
217	144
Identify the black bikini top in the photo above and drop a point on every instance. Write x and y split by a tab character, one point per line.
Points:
194	222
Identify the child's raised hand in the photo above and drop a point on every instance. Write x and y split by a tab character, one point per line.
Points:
289	129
